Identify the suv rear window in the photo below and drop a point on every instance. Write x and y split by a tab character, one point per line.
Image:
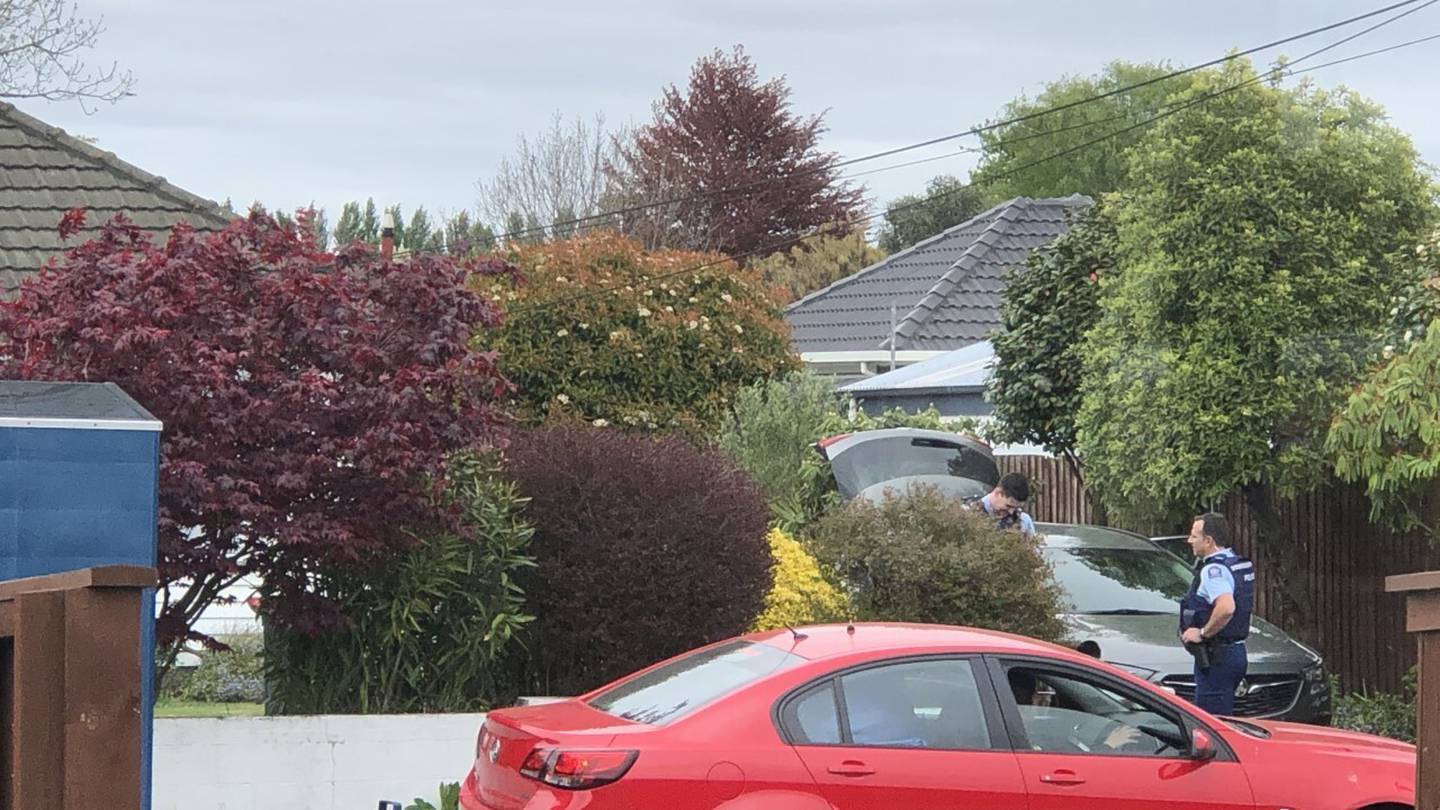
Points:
687	683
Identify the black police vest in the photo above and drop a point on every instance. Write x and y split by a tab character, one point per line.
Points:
1195	611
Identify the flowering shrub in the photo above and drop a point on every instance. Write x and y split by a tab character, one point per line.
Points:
598	331
799	593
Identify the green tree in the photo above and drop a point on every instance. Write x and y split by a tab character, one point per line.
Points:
419	232
817	262
947	202
1388	434
1045	311
348	228
1261	240
1093	171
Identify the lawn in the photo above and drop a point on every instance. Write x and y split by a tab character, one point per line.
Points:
195	708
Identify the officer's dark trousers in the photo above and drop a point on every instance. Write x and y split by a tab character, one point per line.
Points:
1215	687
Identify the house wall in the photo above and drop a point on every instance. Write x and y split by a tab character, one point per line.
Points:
329	762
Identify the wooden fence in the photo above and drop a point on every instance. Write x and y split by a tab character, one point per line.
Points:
70	713
1352	621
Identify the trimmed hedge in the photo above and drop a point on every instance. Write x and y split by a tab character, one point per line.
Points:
646	546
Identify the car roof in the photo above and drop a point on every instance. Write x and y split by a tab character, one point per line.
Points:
820	642
1073	535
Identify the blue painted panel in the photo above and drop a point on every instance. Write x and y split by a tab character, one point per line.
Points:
72	498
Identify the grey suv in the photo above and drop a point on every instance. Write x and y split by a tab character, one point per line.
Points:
1123	589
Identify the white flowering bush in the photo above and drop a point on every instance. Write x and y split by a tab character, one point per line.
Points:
601	331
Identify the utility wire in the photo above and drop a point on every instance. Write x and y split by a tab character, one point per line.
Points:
540	230
770	248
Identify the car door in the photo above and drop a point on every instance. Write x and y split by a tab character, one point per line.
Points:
919	734
1086	739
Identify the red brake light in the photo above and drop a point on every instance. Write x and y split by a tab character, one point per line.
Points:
824	443
577	770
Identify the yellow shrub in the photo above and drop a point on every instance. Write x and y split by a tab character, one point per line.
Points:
799	593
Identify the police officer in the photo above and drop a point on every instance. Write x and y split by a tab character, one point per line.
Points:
1006	502
1215	615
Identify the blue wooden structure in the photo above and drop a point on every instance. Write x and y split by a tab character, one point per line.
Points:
79	481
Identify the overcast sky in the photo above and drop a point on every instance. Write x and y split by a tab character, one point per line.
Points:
290	102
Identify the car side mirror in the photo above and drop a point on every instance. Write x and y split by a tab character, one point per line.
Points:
1202	747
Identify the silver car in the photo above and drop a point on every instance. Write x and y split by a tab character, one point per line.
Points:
1122	588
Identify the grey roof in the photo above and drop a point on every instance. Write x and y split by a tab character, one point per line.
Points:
45	172
947	287
49	403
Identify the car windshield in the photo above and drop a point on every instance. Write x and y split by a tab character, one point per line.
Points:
687	683
1120	580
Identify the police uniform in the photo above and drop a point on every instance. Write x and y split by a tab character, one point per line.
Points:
1221	573
1015	520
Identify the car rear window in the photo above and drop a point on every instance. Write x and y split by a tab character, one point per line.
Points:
689	682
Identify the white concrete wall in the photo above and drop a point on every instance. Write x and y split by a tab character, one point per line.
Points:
332	762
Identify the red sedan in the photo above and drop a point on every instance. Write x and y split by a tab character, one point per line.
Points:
912	717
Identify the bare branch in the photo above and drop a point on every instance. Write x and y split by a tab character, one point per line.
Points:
41	42
556	177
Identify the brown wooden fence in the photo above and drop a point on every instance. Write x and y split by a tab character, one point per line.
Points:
70	714
1352	621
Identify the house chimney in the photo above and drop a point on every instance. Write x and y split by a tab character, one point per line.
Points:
387	235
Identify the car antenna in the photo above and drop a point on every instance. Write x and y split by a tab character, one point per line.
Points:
796	633
850	627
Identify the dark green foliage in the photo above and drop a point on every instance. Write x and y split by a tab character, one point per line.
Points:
926	558
947	201
1045	312
427	625
1378	712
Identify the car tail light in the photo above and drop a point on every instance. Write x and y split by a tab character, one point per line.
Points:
824	443
576	770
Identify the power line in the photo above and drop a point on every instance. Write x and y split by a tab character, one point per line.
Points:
767	249
966	133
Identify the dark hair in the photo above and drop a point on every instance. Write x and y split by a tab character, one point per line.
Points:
1015	486
1213	524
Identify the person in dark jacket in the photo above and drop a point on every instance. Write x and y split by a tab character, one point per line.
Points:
1215	614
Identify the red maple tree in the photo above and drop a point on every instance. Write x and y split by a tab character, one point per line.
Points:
747	172
309	399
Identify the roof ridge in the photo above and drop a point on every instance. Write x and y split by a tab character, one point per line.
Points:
917	316
150	182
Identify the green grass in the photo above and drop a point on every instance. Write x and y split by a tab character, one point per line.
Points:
194	708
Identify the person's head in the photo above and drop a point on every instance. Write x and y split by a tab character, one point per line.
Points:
1022	686
1010	494
1208	534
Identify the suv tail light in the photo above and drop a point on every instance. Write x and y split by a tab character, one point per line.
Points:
576	770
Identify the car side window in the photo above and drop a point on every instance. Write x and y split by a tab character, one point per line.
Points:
813	718
1063	713
916	704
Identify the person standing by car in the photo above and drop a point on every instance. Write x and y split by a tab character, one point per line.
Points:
1215	614
1007	503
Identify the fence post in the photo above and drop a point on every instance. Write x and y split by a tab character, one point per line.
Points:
1422	617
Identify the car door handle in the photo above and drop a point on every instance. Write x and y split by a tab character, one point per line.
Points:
1062	778
851	768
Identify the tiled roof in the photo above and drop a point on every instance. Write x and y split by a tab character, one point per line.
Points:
946	288
44	172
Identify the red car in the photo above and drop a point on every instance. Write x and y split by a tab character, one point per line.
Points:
912	717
